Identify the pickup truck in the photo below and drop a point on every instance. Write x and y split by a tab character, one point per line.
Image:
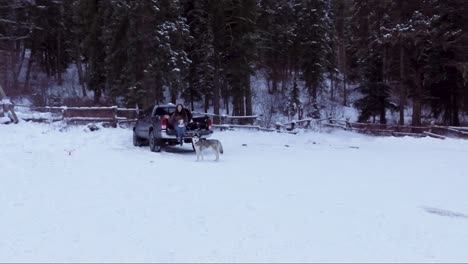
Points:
153	127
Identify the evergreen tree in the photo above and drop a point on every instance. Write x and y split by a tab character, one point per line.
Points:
92	14
371	52
142	52
15	25
375	101
216	13
276	25
201	52
145	50
313	42
447	71
240	52
294	101
341	28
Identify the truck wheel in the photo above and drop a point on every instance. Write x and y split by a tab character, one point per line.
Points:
137	142
155	145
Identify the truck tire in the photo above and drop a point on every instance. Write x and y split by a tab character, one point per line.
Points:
154	143
137	141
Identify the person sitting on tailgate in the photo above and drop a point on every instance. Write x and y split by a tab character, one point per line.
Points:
179	120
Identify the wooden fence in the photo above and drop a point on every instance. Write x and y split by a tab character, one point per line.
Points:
82	115
440	132
115	116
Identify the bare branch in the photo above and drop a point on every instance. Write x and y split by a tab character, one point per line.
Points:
13	38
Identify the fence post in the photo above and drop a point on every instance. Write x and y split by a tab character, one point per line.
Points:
431	126
348	124
114	116
9	107
278	126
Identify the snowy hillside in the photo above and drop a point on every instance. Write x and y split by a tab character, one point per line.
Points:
71	195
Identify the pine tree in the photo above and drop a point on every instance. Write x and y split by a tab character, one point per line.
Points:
15	24
418	38
201	52
276	25
447	71
375	101
396	34
216	13
370	56
240	52
74	39
145	50
295	105
313	42
173	36
92	13
341	23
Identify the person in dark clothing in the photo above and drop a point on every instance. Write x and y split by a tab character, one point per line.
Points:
179	120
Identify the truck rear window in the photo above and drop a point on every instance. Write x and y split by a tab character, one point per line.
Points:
160	111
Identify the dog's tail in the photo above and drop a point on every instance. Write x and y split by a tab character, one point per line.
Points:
221	148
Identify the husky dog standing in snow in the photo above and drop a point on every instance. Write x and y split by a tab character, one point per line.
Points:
201	144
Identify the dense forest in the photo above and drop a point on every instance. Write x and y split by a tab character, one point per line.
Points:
400	55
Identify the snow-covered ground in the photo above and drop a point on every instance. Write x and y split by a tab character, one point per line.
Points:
70	195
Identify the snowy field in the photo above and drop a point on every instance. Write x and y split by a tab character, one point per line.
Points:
81	196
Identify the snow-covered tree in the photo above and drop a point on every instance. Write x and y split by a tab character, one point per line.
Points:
201	52
313	42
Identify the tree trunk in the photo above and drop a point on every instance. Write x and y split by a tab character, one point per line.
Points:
226	104
80	73
274	82
455	110
2	93
17	71
59	60
47	63
401	104
173	97
345	80
191	98
383	118
97	96
248	97
28	71
384	64
242	100
216	89
269	87
417	100
207	103
455	120
5	69
235	105
314	93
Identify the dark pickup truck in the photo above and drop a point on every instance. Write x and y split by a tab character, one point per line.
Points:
153	127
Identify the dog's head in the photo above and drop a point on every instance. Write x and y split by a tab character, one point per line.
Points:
195	139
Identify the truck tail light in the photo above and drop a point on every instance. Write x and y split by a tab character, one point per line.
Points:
163	123
209	123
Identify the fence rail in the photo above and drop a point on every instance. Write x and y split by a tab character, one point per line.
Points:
114	115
